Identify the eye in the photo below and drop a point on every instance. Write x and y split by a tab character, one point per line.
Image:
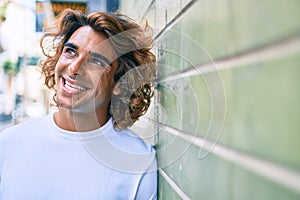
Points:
97	62
69	51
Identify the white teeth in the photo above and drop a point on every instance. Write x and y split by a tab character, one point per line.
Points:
74	87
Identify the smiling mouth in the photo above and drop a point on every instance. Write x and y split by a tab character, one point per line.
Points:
71	87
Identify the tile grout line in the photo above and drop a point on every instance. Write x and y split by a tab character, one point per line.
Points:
175	19
274	172
173	185
276	51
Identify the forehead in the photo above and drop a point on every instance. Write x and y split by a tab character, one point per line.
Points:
87	40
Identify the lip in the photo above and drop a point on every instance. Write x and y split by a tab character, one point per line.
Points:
71	86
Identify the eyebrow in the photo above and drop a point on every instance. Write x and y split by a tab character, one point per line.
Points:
94	54
100	56
69	44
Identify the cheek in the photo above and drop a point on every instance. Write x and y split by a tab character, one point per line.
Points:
58	69
58	64
103	83
94	79
95	75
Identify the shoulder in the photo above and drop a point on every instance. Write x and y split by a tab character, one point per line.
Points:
126	151
23	129
131	142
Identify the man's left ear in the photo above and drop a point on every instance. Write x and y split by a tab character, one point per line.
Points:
117	89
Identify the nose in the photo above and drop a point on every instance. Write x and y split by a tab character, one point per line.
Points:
75	67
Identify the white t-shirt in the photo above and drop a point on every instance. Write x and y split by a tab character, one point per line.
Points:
40	161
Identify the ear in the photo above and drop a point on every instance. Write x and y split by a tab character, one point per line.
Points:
117	89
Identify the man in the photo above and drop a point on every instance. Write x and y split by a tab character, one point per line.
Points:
100	67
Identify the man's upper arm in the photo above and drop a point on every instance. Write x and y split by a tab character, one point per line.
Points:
148	187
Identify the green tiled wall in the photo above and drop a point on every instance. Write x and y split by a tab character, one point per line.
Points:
164	186
257	99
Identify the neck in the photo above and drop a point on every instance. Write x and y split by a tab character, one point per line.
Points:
80	122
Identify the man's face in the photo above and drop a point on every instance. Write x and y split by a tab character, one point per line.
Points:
85	71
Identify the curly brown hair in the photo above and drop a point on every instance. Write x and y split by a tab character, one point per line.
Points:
136	62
